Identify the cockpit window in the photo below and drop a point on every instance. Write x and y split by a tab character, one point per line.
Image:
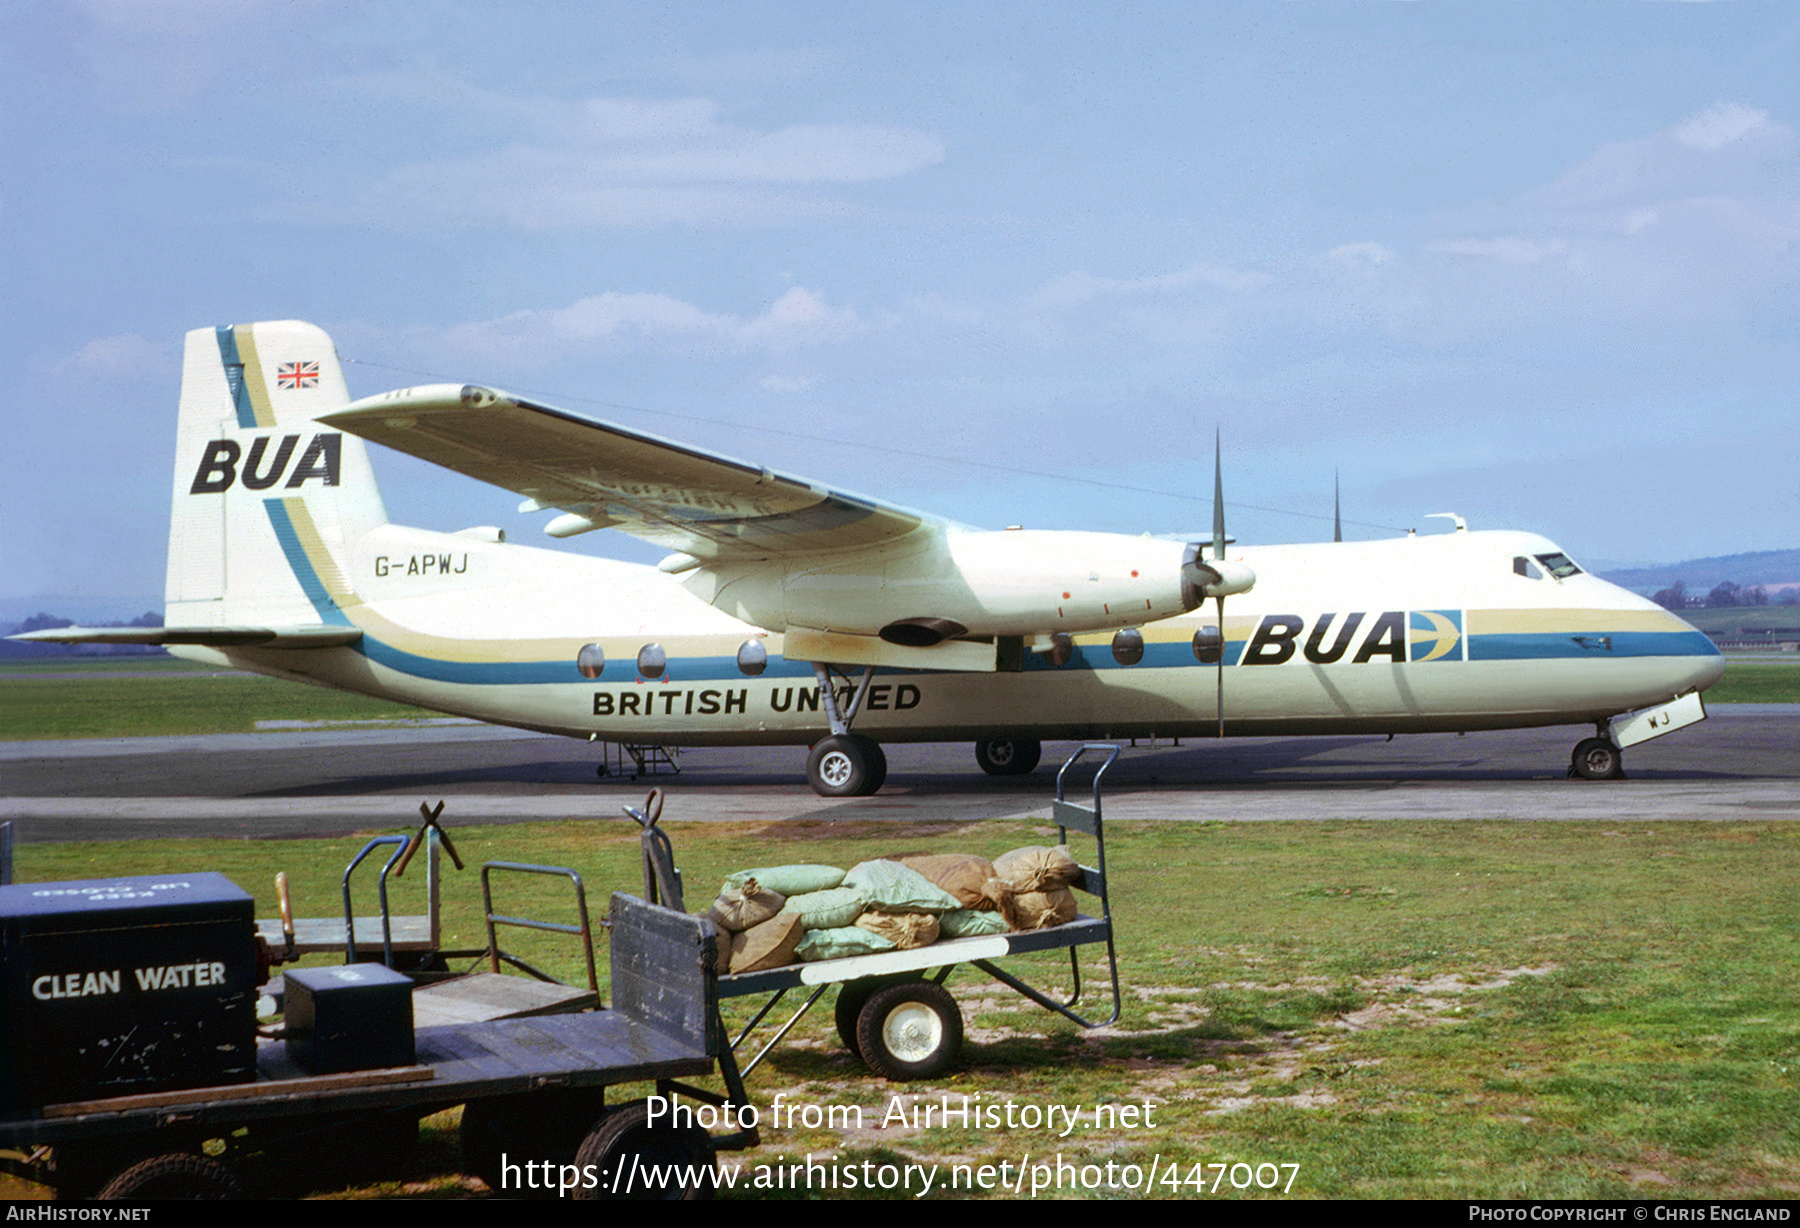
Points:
1523	566
1559	565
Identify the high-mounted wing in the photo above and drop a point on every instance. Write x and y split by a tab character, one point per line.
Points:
712	507
845	578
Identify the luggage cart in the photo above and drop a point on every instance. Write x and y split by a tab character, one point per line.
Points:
892	1008
531	1088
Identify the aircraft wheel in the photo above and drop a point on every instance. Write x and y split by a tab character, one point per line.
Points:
625	1149
909	1031
1597	759
178	1176
849	765
1008	756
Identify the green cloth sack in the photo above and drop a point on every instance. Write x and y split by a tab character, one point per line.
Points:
888	886
790	880
839	943
971	923
825	910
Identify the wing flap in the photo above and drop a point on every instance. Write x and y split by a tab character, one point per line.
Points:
711	506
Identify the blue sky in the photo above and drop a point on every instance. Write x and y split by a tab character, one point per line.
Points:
1536	264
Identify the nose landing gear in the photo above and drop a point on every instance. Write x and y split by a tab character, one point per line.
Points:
1596	759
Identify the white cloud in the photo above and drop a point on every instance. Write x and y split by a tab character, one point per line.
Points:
786	383
1073	289
1728	147
125	354
1512	249
158	56
187	18
1719	125
797	320
622	162
1358	254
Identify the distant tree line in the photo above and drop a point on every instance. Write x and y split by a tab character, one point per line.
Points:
51	622
1724	596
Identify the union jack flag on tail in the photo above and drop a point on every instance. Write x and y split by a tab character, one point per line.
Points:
298	375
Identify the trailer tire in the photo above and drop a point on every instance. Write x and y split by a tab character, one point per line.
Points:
546	1125
909	1031
853	996
188	1178
624	1145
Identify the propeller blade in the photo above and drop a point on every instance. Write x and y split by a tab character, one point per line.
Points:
1218	502
1219	557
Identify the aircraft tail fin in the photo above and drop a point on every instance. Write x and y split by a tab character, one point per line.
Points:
267	502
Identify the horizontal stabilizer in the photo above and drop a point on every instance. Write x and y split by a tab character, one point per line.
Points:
212	637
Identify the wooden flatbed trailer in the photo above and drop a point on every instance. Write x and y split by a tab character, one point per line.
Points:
534	1090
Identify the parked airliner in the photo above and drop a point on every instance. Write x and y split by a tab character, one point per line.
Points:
789	613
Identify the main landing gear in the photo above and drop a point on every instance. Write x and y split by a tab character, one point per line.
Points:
844	764
1597	759
1008	756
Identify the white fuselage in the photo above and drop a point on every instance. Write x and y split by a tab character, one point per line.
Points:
1405	635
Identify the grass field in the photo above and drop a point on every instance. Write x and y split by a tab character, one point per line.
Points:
88	699
1490	1010
128	697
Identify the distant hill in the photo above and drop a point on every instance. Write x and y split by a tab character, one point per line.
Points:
1768	568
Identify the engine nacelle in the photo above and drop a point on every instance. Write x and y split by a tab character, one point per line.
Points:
1214	577
972	584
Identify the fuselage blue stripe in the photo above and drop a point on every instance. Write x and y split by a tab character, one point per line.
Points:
724	670
1543	646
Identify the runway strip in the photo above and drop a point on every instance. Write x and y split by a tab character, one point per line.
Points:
334	782
144	817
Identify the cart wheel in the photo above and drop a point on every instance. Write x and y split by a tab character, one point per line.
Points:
854	995
482	1146
185	1177
909	1031
630	1158
506	1130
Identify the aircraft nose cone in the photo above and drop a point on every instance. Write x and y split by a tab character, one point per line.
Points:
1700	664
1707	670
